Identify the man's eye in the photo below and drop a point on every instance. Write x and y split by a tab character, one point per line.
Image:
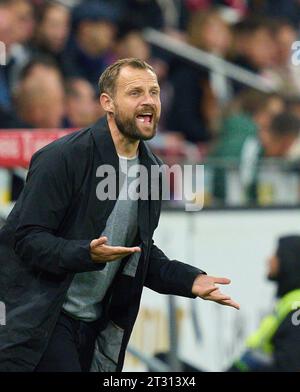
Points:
155	92
134	93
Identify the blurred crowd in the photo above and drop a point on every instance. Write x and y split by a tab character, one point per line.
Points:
56	51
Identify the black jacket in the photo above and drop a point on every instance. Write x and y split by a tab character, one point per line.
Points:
46	241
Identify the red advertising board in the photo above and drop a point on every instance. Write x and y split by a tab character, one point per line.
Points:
18	146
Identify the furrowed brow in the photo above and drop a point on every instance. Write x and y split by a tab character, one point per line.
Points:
134	88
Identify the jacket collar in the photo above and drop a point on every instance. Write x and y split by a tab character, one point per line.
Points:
104	143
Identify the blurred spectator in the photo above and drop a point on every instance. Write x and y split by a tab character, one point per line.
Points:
19	14
239	140
195	110
284	75
81	107
39	96
293	104
7	19
282	140
8	120
254	46
210	32
289	10
94	30
168	15
132	44
52	31
25	20
207	30
7	37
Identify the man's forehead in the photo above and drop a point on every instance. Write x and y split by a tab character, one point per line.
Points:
130	76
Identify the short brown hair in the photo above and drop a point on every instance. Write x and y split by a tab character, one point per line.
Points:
108	79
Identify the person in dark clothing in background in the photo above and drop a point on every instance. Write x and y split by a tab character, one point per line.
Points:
275	345
93	34
254	47
7	39
185	114
277	9
52	32
161	15
199	94
39	96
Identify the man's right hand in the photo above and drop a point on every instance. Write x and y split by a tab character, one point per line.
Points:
102	253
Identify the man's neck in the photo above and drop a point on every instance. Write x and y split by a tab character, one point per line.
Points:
125	146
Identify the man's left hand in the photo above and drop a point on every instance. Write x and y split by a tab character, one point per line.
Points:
204	286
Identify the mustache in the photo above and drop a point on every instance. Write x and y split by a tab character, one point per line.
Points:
147	109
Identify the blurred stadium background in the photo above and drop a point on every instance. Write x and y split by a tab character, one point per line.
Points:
230	79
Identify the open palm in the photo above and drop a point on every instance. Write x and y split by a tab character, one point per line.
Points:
204	286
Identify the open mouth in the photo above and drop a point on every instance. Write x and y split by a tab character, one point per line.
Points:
145	118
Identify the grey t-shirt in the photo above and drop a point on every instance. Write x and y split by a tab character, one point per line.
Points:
87	290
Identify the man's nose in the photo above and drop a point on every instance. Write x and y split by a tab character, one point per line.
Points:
148	99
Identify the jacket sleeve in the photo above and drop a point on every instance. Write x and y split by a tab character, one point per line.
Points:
46	198
167	276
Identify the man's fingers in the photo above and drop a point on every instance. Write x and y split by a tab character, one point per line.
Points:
113	250
211	290
221	280
102	253
222	298
117	256
99	241
218	296
230	303
121	250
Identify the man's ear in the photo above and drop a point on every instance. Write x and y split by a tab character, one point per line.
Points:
107	103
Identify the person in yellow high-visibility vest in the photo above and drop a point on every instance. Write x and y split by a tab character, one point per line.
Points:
275	345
